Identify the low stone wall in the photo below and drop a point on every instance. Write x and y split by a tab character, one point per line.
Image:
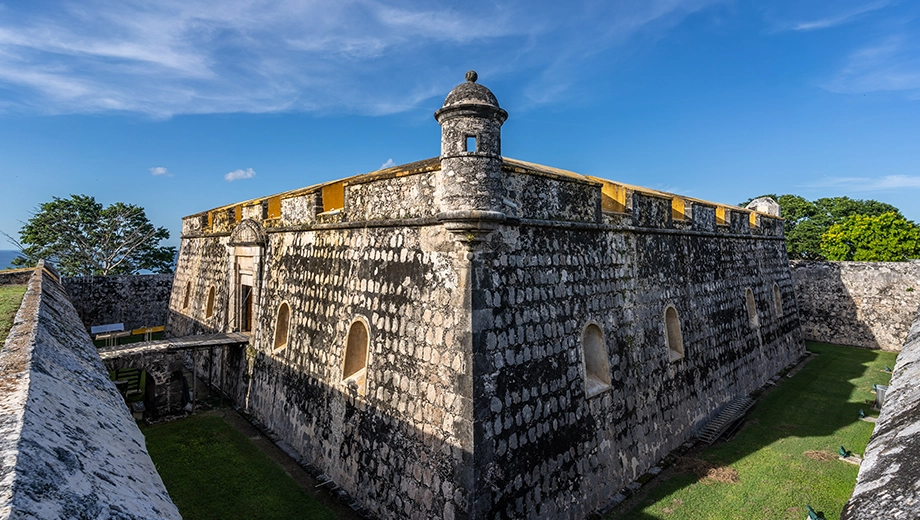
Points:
69	448
15	276
135	300
887	483
864	304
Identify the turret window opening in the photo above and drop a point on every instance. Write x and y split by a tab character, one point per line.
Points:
470	144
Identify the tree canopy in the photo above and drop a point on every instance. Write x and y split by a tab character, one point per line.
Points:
806	221
82	237
888	237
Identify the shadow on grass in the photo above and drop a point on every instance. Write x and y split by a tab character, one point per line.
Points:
786	452
213	471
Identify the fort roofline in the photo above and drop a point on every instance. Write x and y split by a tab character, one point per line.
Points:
327	200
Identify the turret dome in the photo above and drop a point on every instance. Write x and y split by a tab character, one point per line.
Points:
471	92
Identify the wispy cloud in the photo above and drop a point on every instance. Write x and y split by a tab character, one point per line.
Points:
858	184
358	56
388	164
892	64
840	17
160	170
236	175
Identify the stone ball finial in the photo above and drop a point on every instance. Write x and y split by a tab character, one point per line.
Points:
471	76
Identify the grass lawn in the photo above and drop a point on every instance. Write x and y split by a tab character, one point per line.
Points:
785	456
10	299
212	471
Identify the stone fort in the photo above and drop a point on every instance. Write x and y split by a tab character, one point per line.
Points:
472	336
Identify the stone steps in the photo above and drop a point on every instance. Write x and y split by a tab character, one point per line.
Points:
731	413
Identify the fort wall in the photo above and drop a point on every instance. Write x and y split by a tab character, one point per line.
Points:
474	401
135	300
864	304
886	486
68	444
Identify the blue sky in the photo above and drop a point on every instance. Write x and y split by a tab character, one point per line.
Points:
181	106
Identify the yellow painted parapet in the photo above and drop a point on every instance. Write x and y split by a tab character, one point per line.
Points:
722	215
613	197
334	196
678	209
238	213
754	219
274	207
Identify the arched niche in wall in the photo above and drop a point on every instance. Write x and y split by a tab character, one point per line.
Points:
673	338
777	300
751	306
282	326
596	362
354	362
187	295
246	246
209	308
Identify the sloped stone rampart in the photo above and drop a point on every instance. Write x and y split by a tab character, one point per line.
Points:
863	304
69	447
887	483
135	300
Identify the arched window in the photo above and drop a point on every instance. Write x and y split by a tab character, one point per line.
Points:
354	366
751	307
673	338
210	307
282	325
188	294
777	300
597	366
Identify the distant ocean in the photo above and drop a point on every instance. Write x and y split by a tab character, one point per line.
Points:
6	257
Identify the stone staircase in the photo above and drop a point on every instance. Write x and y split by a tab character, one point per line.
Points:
733	411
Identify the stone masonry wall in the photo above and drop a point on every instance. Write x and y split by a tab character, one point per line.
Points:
69	447
864	304
544	449
403	448
886	486
475	404
135	300
15	276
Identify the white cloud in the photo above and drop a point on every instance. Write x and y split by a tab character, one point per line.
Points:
892	64
832	20
888	182
388	164
160	170
236	175
356	56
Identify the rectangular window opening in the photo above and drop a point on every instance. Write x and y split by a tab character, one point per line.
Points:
470	145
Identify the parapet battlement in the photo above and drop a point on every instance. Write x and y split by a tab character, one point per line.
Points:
533	195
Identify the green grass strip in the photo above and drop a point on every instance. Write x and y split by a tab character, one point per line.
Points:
10	300
785	456
212	471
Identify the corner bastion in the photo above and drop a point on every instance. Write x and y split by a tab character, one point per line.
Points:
477	337
69	447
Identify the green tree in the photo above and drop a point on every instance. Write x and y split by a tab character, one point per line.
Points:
84	238
805	222
888	237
